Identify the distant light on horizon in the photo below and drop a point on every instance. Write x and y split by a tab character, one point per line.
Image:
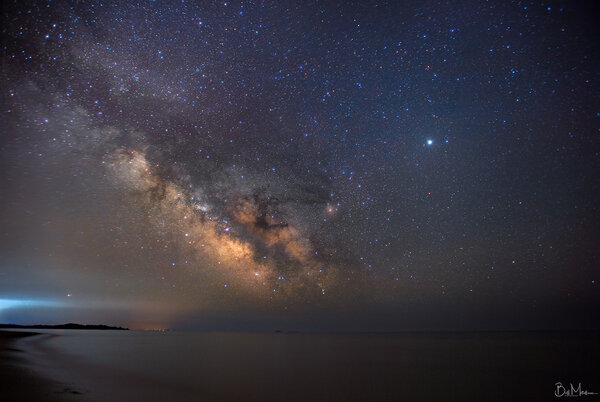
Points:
6	304
236	176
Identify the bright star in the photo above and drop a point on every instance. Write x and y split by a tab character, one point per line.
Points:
429	142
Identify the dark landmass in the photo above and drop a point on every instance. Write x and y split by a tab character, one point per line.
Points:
64	326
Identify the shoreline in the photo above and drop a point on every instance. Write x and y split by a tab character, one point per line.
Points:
202	366
19	381
31	369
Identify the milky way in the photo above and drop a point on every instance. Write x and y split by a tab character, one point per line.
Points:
392	165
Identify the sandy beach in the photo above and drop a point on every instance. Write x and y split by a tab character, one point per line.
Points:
72	365
19	382
31	369
299	201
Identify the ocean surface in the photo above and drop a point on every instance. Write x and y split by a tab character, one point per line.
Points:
140	365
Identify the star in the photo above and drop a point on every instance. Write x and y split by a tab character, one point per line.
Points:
309	143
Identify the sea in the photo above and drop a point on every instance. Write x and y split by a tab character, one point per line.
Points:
233	366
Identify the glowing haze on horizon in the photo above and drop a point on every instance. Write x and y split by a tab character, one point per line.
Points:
298	165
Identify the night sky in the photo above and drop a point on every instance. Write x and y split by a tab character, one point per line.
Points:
300	165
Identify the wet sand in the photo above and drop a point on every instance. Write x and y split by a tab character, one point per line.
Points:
19	382
146	366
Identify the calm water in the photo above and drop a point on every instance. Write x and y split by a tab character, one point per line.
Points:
132	365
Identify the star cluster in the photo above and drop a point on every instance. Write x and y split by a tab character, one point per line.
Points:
315	156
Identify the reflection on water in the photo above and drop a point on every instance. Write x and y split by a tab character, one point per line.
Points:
246	366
